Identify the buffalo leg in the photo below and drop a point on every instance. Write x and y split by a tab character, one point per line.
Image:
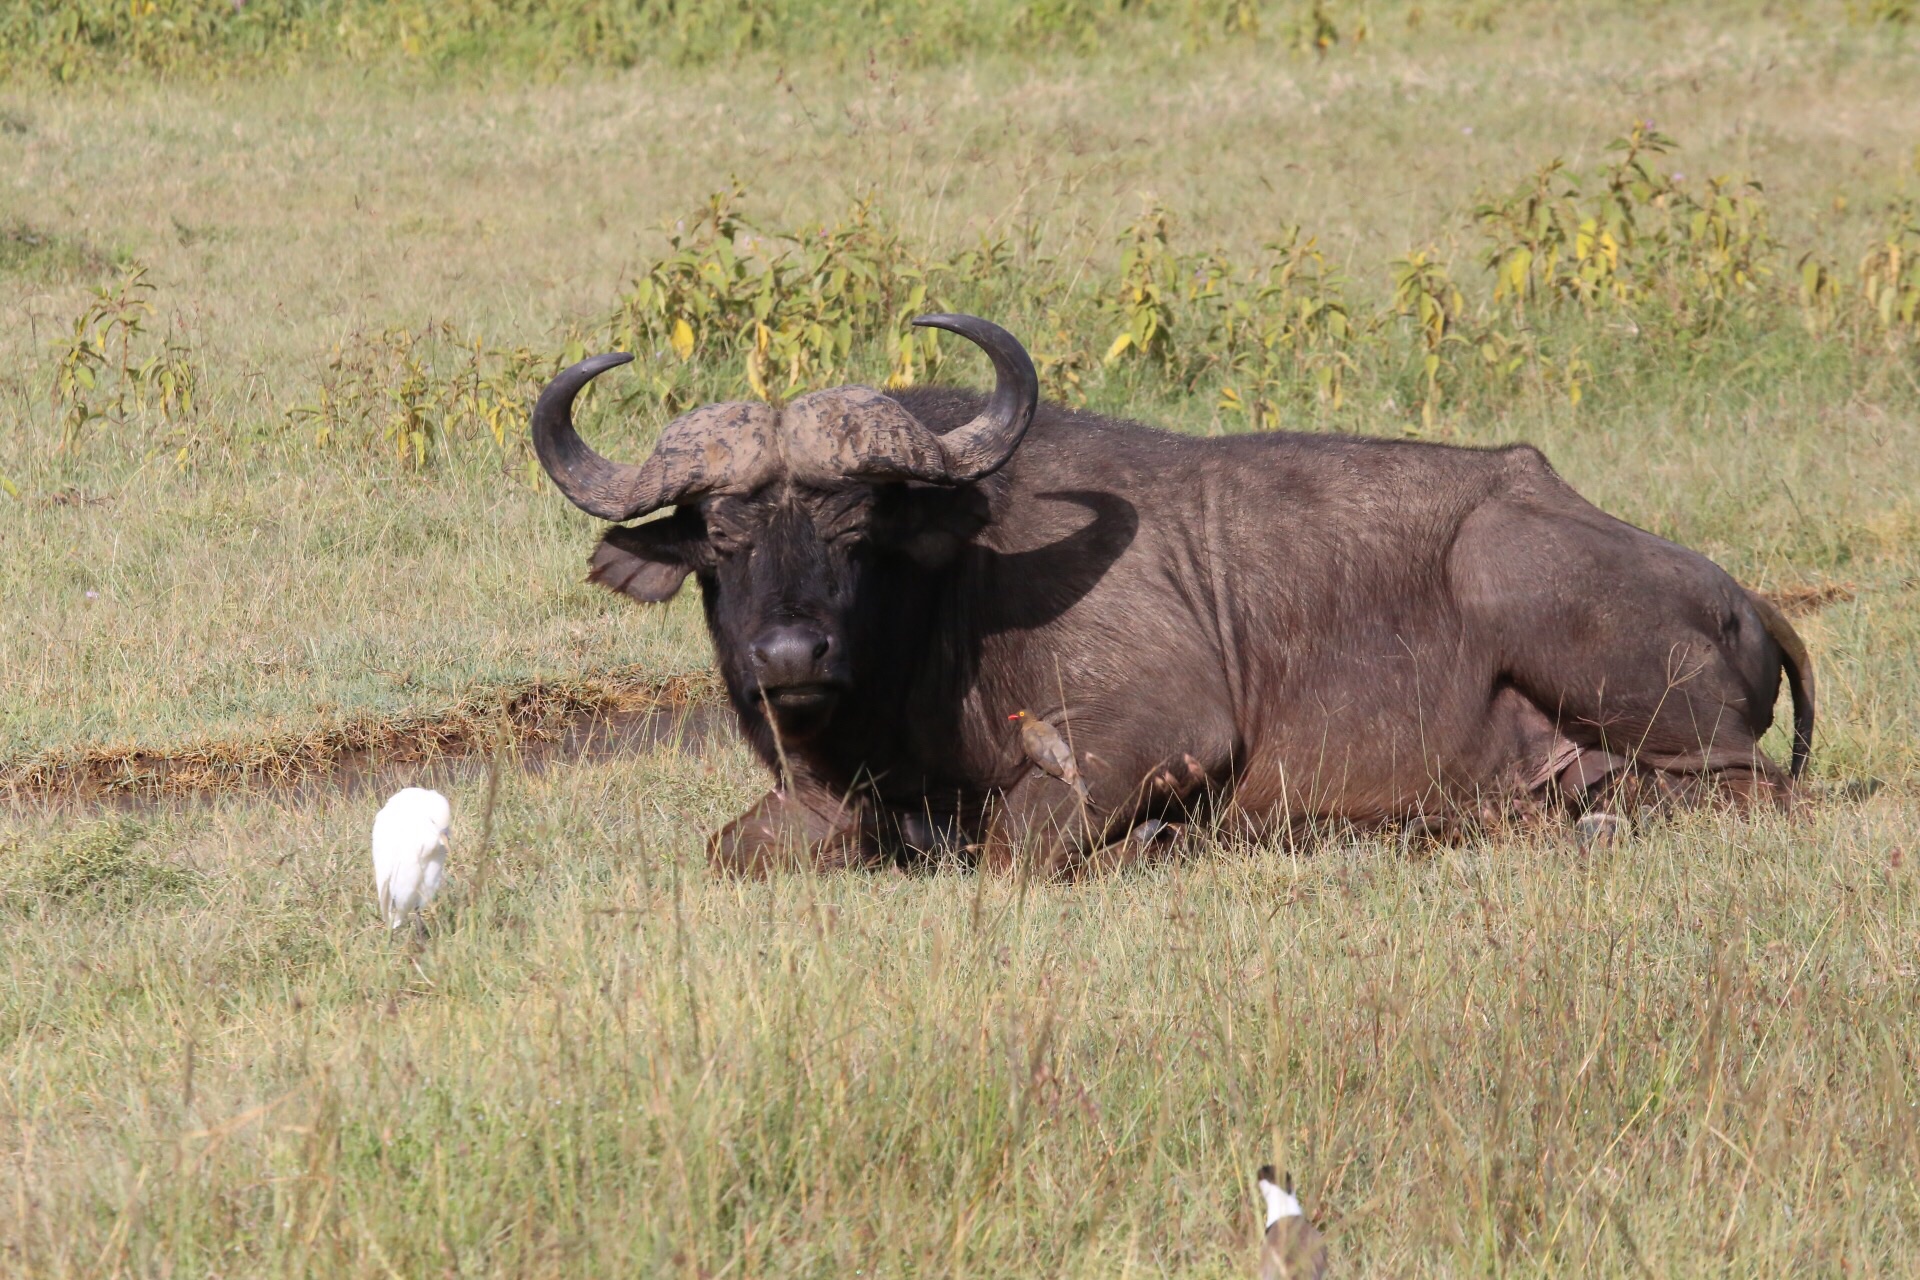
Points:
1766	786
787	830
1674	674
1599	782
1046	827
1037	828
1762	785
1043	828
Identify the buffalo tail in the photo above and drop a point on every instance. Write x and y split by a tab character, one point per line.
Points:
1799	678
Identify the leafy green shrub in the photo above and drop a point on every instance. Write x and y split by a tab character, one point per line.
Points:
1426	295
112	366
1065	366
1890	278
414	394
1314	28
1293	331
1144	299
732	309
1883	304
1641	239
1276	333
728	310
27	250
795	308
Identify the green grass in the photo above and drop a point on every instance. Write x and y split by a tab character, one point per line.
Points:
29	252
1694	1052
1689	1054
205	39
267	602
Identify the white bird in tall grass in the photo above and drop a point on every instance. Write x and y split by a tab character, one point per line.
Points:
410	852
1294	1249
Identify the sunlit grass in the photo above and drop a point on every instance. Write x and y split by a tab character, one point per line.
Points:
1690	1053
1692	1050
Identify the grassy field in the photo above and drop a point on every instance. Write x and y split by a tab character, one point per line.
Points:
263	495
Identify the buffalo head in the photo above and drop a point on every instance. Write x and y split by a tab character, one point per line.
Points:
790	517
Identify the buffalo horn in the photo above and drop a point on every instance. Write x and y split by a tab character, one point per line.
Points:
698	451
982	446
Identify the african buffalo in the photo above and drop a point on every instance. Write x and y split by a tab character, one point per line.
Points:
1281	628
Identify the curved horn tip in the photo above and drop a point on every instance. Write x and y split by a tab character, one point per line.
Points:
954	322
569	381
600	364
1008	353
589	481
983	446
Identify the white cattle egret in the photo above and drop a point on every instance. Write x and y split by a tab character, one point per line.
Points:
1294	1249
410	851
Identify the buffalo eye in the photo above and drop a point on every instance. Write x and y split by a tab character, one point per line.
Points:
848	539
727	541
844	523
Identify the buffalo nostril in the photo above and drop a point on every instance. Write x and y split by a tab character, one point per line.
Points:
790	654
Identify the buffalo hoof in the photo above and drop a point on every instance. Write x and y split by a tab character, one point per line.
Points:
782	833
1153	831
1598	830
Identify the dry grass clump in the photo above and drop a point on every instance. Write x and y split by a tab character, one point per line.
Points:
34	253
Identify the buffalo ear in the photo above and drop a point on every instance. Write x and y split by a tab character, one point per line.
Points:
649	561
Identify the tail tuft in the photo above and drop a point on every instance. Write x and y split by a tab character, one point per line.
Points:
1799	667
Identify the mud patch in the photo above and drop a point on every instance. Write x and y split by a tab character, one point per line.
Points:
533	725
